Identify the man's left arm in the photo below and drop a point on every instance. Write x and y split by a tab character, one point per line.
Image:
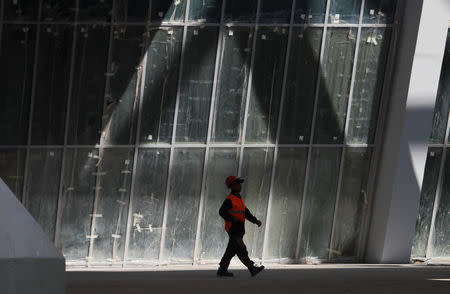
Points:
251	218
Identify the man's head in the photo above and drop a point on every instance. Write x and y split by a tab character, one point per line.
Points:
234	183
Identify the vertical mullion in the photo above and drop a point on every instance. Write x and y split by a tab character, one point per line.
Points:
280	118
208	137
174	128
347	120
313	123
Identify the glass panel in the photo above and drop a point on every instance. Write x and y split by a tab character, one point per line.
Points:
205	10
287	197
232	84
95	10
148	204
16	74
310	11
344	11
256	170
275	11
91	55
158	107
109	219
132	10
58	10
52	84
163	10
429	186
196	84
222	162
335	85
300	86
185	187
79	182
42	188
369	78
122	98
20	10
379	11
319	203
353	202
240	11
12	162
266	85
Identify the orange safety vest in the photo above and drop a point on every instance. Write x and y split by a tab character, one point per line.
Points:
237	210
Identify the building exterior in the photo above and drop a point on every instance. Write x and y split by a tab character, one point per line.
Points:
120	121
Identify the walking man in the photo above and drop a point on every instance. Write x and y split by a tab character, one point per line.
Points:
234	212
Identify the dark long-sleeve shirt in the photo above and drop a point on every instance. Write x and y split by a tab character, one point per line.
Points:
237	228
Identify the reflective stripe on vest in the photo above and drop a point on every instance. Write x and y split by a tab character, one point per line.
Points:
237	210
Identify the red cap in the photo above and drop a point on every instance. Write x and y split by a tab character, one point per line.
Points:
233	179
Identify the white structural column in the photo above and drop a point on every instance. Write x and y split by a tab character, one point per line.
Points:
407	124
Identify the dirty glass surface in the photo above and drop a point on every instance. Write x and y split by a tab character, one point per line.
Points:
20	9
171	11
148	204
232	84
205	10
132	10
110	213
344	11
256	170
353	202
427	197
310	11
300	86
379	11
369	78
287	197
91	55
184	198
16	73
58	10
275	11
222	162
78	192
42	187
240	11
266	85
319	203
196	84
95	10
12	163
158	106
52	84
335	85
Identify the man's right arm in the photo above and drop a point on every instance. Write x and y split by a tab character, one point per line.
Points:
223	211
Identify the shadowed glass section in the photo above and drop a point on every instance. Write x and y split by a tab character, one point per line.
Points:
205	10
300	86
222	162
52	84
95	10
171	11
12	165
148	204
196	85
182	213
16	74
42	187
319	203
275	11
232	85
20	10
353	202
310	11
369	78
240	11
132	10
266	85
287	197
427	196
335	85
344	11
58	10
379	11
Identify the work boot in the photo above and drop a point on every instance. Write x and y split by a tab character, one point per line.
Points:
224	273
256	270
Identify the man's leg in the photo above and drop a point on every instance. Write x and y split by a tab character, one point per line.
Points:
242	253
228	255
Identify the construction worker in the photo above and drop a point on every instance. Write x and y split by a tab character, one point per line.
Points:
234	212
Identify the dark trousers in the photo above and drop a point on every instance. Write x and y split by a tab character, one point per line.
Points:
235	246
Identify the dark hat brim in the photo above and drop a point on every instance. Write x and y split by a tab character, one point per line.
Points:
238	180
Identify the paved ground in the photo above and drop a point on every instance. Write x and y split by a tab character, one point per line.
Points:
282	279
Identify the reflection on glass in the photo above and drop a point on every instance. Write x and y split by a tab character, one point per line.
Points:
300	86
344	11
256	170
20	10
12	163
319	203
287	197
232	85
379	11
428	193
369	78
335	85
95	10
196	84
266	85
132	10
222	162
148	204
184	197
57	10
205	10
275	11
353	201
171	11
240	11
310	11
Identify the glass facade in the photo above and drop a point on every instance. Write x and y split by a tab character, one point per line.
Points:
120	121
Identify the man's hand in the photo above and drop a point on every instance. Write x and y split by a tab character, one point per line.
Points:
258	222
